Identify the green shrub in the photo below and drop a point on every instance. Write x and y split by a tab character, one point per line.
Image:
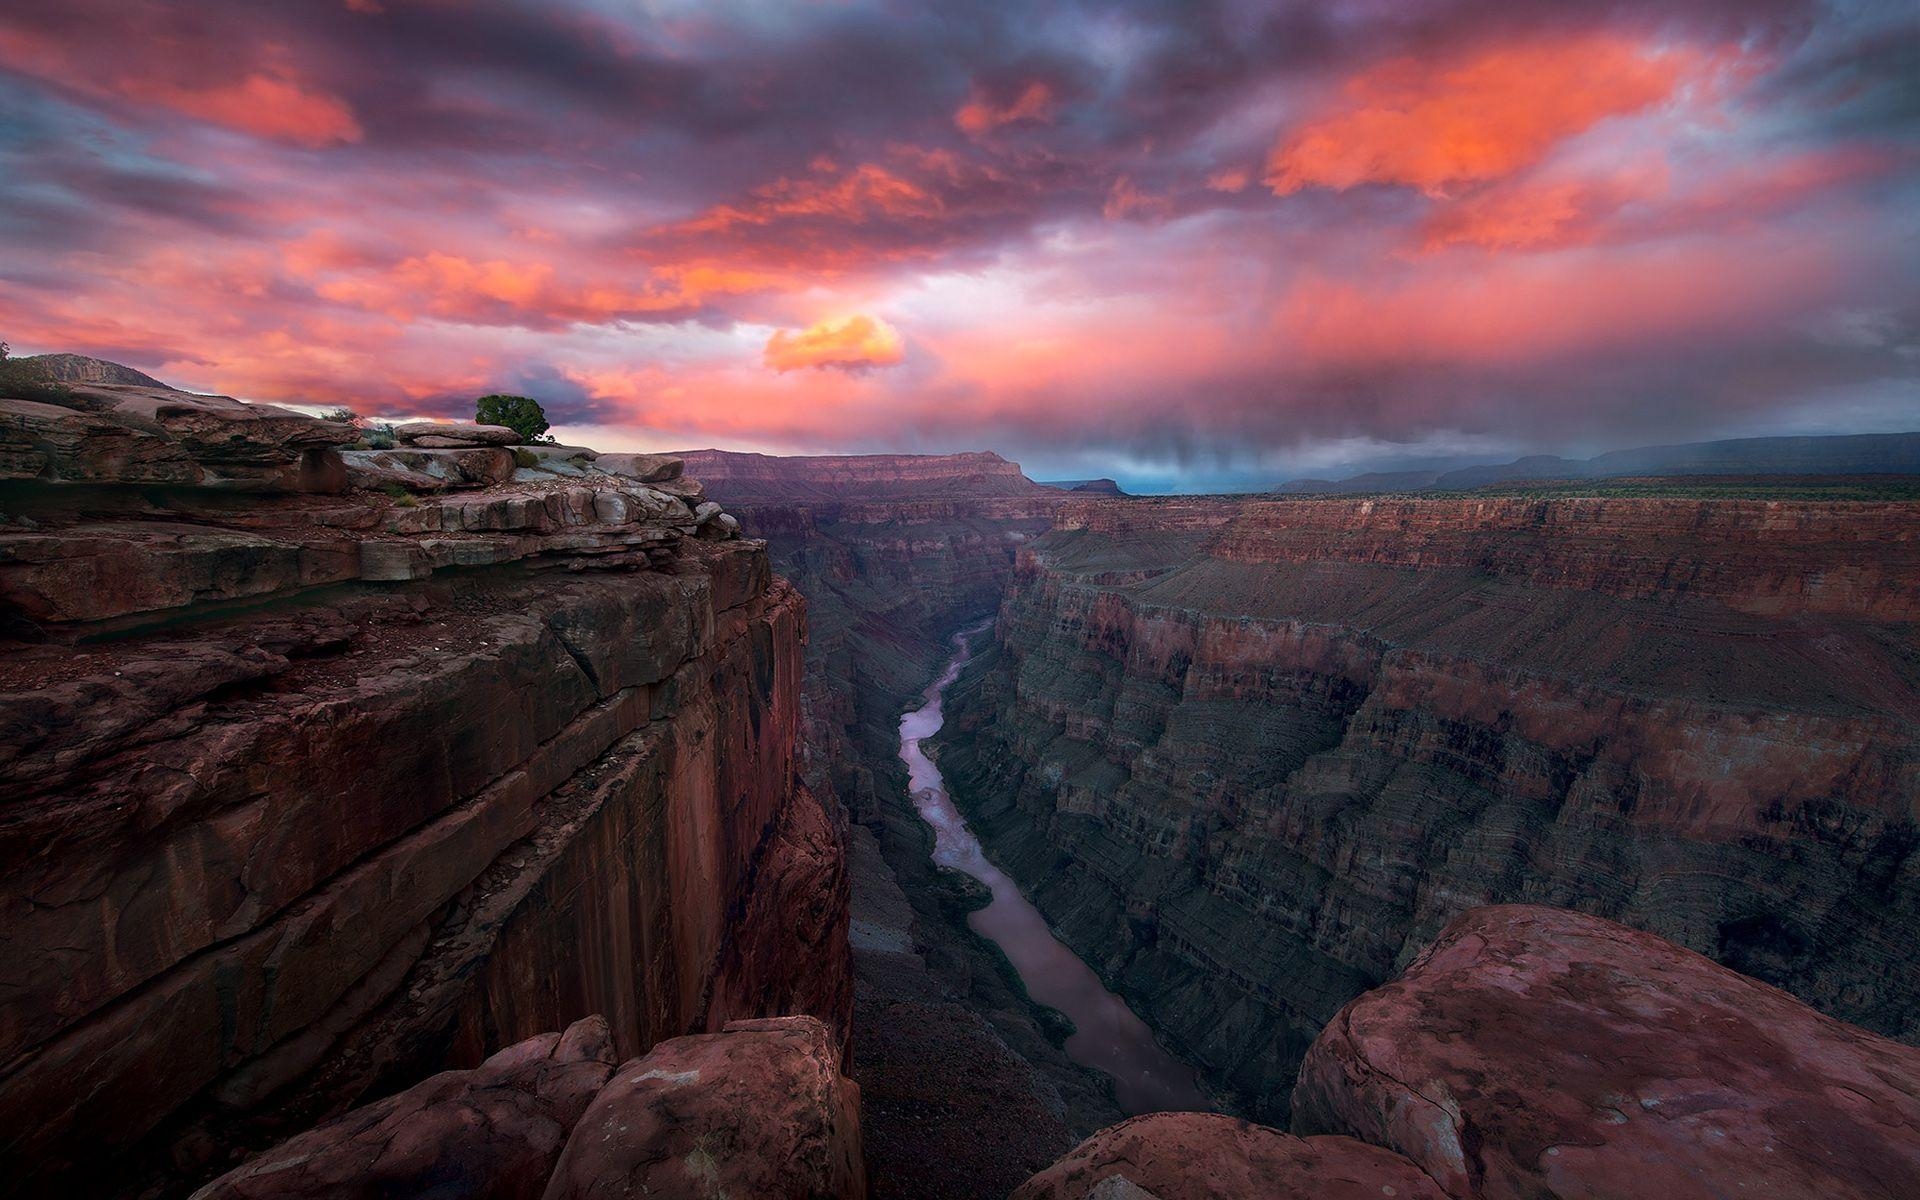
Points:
525	458
522	414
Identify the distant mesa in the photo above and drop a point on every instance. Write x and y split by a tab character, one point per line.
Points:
1863	454
78	368
1091	487
749	477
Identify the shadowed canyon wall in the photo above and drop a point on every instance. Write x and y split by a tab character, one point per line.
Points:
964	1092
312	789
1249	756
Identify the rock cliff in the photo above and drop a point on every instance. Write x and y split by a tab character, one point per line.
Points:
1249	756
320	776
964	1093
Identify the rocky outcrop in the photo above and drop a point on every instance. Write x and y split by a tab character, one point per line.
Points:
1538	1052
1249	756
1205	1156
125	435
304	797
759	1109
491	1133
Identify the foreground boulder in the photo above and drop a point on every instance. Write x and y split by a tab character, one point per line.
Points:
758	1110
1534	1052
1205	1156
491	1133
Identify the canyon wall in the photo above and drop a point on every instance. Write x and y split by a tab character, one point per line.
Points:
964	1093
324	770
1249	756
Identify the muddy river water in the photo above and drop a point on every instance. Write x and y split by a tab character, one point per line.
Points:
1109	1037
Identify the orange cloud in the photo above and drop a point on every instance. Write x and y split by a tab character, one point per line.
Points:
500	291
981	115
1482	116
869	190
854	343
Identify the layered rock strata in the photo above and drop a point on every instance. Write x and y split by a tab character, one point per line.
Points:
1249	756
305	795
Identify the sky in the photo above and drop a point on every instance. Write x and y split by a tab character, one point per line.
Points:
1188	244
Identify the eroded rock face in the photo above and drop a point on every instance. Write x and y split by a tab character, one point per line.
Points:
122	434
759	1109
303	798
1250	756
491	1133
1204	1156
1533	1051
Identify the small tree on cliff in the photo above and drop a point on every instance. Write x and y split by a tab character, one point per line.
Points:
522	414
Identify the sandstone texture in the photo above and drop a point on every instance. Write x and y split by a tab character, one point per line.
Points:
758	1110
306	796
1249	756
1205	1156
1537	1052
123	434
493	1132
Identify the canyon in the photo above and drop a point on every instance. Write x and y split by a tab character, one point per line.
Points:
1251	756
466	819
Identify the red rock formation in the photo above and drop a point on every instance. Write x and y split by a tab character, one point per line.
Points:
758	1109
1534	1052
303	797
492	1133
1250	755
1204	1156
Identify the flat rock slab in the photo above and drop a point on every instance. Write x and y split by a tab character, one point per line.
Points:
1537	1052
647	468
1206	1156
453	434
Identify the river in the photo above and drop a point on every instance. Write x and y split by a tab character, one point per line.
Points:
1109	1036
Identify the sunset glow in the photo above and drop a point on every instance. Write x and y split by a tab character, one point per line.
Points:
1188	245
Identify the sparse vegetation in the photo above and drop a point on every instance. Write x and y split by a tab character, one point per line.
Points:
522	414
23	379
525	458
401	497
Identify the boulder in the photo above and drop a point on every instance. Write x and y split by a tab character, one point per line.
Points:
759	1109
449	435
705	511
491	1133
1206	1156
1534	1052
647	468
